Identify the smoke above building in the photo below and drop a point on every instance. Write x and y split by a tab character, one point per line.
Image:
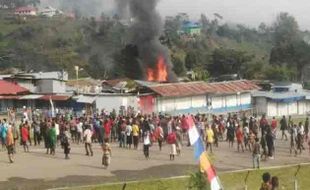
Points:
145	31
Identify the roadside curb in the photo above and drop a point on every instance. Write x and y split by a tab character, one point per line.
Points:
179	177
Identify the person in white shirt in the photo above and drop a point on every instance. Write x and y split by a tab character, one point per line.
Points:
146	144
57	131
88	140
25	115
79	128
129	135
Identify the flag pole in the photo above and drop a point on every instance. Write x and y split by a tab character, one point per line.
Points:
246	181
295	178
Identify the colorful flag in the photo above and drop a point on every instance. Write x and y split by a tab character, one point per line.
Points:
200	154
52	107
194	138
192	130
207	168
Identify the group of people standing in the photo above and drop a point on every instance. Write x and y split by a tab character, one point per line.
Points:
251	134
257	136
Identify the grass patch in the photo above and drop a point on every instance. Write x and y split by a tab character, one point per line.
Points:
231	181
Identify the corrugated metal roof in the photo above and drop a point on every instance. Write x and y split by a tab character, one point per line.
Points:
31	97
201	88
55	97
8	88
86	99
9	97
280	95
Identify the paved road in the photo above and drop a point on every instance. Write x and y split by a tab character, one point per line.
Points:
36	170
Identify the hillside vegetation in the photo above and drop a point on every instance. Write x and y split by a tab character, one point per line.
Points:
102	47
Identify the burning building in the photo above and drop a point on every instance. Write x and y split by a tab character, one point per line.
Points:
153	57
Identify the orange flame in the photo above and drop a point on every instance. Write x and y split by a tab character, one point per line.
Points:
160	73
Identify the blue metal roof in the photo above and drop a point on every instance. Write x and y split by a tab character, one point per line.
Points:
282	96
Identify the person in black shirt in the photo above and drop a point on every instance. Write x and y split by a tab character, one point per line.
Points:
283	127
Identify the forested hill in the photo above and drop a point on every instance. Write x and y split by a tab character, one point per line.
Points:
101	47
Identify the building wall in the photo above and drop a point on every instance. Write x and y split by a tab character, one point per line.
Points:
115	102
175	104
199	101
231	100
260	105
195	104
282	109
293	108
28	84
279	109
51	86
26	13
272	108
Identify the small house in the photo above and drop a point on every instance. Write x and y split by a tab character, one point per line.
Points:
9	93
42	82
49	11
26	11
191	28
282	99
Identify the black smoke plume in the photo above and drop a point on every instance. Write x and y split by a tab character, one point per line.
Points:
145	31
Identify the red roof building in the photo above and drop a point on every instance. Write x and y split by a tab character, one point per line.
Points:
8	88
203	88
26	11
198	97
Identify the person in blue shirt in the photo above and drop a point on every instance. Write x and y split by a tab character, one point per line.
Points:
4	131
1	128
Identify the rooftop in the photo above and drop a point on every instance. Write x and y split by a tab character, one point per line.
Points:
23	9
8	88
201	88
57	75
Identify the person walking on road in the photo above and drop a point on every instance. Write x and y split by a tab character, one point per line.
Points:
107	153
283	127
36	133
135	134
256	154
146	144
65	143
52	139
10	144
88	143
209	138
25	136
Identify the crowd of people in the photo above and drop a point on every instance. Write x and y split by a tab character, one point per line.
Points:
256	136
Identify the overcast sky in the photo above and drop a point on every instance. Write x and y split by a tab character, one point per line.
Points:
249	12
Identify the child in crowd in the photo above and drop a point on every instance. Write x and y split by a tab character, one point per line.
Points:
107	153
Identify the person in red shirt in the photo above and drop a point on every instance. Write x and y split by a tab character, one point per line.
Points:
107	128
274	123
25	136
239	136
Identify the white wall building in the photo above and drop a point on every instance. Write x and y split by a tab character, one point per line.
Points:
49	11
199	97
283	99
108	102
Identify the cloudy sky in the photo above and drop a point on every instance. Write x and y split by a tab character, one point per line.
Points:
250	12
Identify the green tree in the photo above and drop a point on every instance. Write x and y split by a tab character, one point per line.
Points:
191	60
228	61
301	58
279	73
285	30
178	65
